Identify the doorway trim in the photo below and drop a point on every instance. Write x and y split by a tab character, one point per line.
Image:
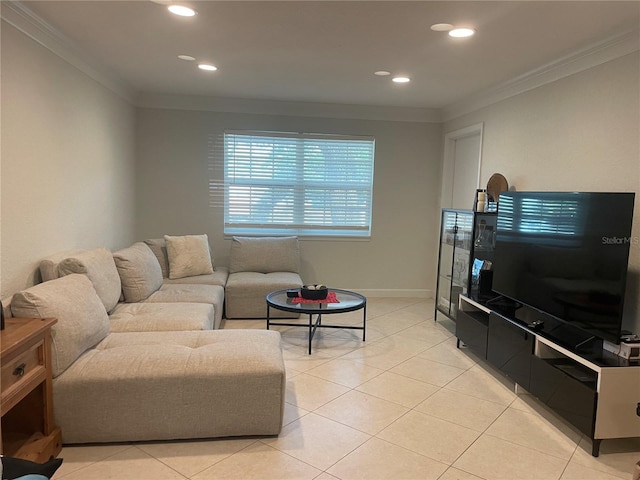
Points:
446	192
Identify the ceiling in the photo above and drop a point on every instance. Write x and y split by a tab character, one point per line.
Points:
328	51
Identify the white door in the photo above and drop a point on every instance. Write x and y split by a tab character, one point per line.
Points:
461	172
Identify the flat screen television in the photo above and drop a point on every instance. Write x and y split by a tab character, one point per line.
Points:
566	254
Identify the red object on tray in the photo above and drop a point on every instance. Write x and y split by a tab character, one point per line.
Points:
331	298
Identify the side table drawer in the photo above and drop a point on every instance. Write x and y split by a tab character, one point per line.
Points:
22	369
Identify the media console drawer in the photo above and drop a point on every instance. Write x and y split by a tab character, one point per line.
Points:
471	329
566	388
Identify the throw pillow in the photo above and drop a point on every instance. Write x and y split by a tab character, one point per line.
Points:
188	255
82	319
139	271
13	468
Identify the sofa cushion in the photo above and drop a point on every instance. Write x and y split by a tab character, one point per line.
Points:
218	277
159	248
264	254
188	255
82	318
139	271
49	265
180	293
159	317
99	266
245	293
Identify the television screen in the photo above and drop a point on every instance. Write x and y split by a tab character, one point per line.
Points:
566	254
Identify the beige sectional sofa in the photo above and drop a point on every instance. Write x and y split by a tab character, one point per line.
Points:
136	354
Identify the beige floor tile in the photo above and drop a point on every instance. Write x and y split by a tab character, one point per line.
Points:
398	389
427	332
495	459
455	474
243	324
345	372
380	460
309	392
429	436
423	307
394	322
534	432
427	371
297	359
361	411
461	409
259	462
374	334
617	456
130	464
292	413
575	471
383	354
317	440
326	476
382	306
482	385
336	345
447	353
190	458
82	456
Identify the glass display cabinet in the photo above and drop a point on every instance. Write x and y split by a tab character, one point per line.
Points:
467	240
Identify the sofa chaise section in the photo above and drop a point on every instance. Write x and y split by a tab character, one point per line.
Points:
141	386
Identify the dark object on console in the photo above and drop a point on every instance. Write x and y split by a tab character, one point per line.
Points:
485	282
536	325
293	293
314	292
1	317
17	467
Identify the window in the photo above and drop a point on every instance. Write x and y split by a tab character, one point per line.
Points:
297	184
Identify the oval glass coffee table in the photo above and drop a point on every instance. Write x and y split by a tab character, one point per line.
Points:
347	302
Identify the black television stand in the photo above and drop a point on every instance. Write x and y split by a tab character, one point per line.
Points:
595	391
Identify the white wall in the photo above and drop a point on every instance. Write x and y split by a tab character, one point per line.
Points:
67	161
180	150
579	133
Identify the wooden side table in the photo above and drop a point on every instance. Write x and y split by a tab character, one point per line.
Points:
27	429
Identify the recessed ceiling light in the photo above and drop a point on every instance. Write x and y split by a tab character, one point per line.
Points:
182	11
441	27
207	67
401	79
382	73
461	32
188	58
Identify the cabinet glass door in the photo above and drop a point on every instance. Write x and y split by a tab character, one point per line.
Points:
456	237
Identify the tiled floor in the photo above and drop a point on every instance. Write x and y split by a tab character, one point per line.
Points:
405	404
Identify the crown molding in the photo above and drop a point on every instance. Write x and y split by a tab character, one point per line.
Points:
290	108
17	14
21	17
588	57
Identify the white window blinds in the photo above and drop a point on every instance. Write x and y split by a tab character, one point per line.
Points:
298	184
